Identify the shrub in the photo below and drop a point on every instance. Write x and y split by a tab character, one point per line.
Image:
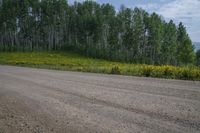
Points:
147	71
75	62
169	71
187	74
115	70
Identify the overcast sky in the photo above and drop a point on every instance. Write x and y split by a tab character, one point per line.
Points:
186	11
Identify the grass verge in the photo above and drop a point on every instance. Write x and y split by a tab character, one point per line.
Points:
75	62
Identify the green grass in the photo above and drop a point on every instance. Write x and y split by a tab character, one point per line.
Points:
74	62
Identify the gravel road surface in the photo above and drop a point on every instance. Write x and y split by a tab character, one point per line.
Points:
49	101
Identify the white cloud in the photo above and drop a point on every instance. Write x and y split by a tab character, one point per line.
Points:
181	9
186	11
72	1
149	6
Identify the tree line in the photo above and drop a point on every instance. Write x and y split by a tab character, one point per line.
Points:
92	29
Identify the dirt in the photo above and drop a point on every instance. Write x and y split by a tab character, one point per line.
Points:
48	101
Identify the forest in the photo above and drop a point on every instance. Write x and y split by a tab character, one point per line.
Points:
94	30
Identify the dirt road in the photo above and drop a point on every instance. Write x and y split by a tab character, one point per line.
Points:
48	101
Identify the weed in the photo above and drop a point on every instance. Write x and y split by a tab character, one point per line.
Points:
75	62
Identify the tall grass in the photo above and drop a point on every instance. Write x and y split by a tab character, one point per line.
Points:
75	62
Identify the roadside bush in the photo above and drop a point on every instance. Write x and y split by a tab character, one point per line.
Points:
186	73
74	62
147	71
115	70
168	71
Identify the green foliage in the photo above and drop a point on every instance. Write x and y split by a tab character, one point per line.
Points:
94	30
75	62
185	51
198	58
115	70
169	45
147	71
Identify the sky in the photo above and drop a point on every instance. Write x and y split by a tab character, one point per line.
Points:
186	11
